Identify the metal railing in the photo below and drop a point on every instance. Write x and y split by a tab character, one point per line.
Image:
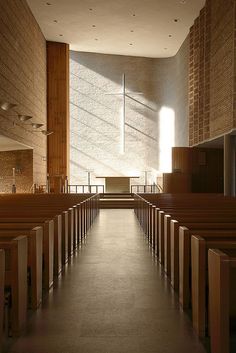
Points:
85	189
146	189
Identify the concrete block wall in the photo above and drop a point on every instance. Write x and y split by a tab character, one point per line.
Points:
23	78
211	75
151	118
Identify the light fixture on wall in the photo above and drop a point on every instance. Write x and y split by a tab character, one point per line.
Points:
47	133
36	125
24	118
7	105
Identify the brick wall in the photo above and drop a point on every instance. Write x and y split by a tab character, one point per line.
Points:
211	76
22	161
23	77
222	66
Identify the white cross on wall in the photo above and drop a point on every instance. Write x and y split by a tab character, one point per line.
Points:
124	94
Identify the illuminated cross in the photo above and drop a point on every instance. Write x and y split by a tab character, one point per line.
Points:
124	94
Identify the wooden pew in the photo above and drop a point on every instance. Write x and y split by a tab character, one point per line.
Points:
34	205
184	259
176	243
2	286
200	246
164	228
171	202
197	216
43	214
56	203
16	280
35	258
60	203
222	292
48	243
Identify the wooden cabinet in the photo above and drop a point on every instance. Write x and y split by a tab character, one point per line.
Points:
177	182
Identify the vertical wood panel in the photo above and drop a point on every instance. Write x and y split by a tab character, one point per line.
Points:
58	107
204	164
182	159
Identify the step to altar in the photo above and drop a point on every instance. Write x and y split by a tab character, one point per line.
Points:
116	200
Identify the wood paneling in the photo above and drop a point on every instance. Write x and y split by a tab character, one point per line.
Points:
182	159
58	107
204	164
176	183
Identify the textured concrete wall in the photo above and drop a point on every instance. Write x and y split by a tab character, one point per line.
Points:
22	161
23	77
96	115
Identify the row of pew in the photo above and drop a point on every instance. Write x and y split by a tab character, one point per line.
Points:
39	233
194	238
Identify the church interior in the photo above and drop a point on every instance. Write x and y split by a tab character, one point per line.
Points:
117	176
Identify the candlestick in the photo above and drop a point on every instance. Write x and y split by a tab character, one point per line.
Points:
14	176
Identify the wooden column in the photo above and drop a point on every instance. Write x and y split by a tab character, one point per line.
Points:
58	108
229	165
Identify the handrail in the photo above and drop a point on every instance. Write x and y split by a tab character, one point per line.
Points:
159	187
84	189
153	188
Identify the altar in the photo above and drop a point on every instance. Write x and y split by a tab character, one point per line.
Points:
115	184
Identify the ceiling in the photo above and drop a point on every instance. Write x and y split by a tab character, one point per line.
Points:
149	28
7	144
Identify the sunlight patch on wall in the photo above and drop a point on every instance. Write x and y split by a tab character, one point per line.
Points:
167	138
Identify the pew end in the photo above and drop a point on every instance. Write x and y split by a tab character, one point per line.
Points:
222	292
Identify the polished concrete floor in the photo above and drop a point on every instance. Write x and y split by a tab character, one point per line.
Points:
112	298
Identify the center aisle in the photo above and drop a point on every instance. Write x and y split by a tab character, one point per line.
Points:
112	299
